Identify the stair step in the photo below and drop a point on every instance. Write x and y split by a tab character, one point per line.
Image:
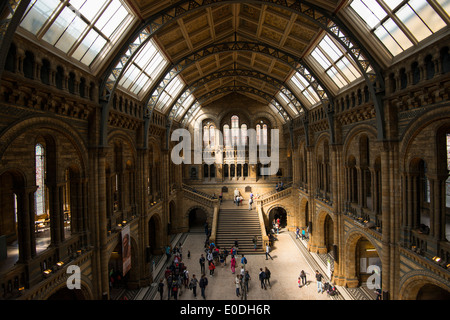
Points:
239	224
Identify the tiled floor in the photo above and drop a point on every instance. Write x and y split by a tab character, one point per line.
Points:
285	268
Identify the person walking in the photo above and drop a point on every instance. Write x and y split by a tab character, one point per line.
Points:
233	264
303	234
303	278
250	203
262	278
268	252
319	277
297	233
161	288
267	280
203	283
255	242
193	285
237	282
202	264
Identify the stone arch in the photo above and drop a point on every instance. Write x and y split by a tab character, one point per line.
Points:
349	249
325	231
304	216
172	213
413	282
84	293
438	116
284	218
197	219
370	131
155	234
34	123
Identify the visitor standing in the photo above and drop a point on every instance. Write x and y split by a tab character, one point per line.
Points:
203	283
255	242
211	267
193	285
237	282
267	280
233	264
244	261
303	278
319	277
202	264
161	288
247	279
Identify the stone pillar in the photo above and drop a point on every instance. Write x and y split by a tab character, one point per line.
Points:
102	222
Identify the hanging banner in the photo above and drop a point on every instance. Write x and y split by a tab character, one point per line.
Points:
126	250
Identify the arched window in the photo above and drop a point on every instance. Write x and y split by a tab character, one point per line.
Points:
205	136
244	134
264	134
212	135
40	180
234	130
226	135
261	134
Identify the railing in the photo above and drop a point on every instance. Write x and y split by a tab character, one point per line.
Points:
212	237
274	195
200	197
265	238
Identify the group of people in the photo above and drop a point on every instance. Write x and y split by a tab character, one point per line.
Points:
303	234
279	186
329	288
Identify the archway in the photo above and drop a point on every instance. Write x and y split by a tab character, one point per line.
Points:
67	294
329	233
154	234
172	211
366	259
12	214
197	219
432	292
278	213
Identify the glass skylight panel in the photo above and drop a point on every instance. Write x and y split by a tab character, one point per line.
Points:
445	4
37	13
301	85
144	69
79	28
66	29
335	62
171	91
387	20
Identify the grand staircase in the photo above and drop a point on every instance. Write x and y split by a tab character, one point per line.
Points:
240	224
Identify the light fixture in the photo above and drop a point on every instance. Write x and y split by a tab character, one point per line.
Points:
436	259
60	264
371	250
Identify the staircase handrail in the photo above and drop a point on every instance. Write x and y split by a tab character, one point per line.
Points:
265	238
199	197
212	237
274	195
271	193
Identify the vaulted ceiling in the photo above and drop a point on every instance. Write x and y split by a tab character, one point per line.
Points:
176	56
